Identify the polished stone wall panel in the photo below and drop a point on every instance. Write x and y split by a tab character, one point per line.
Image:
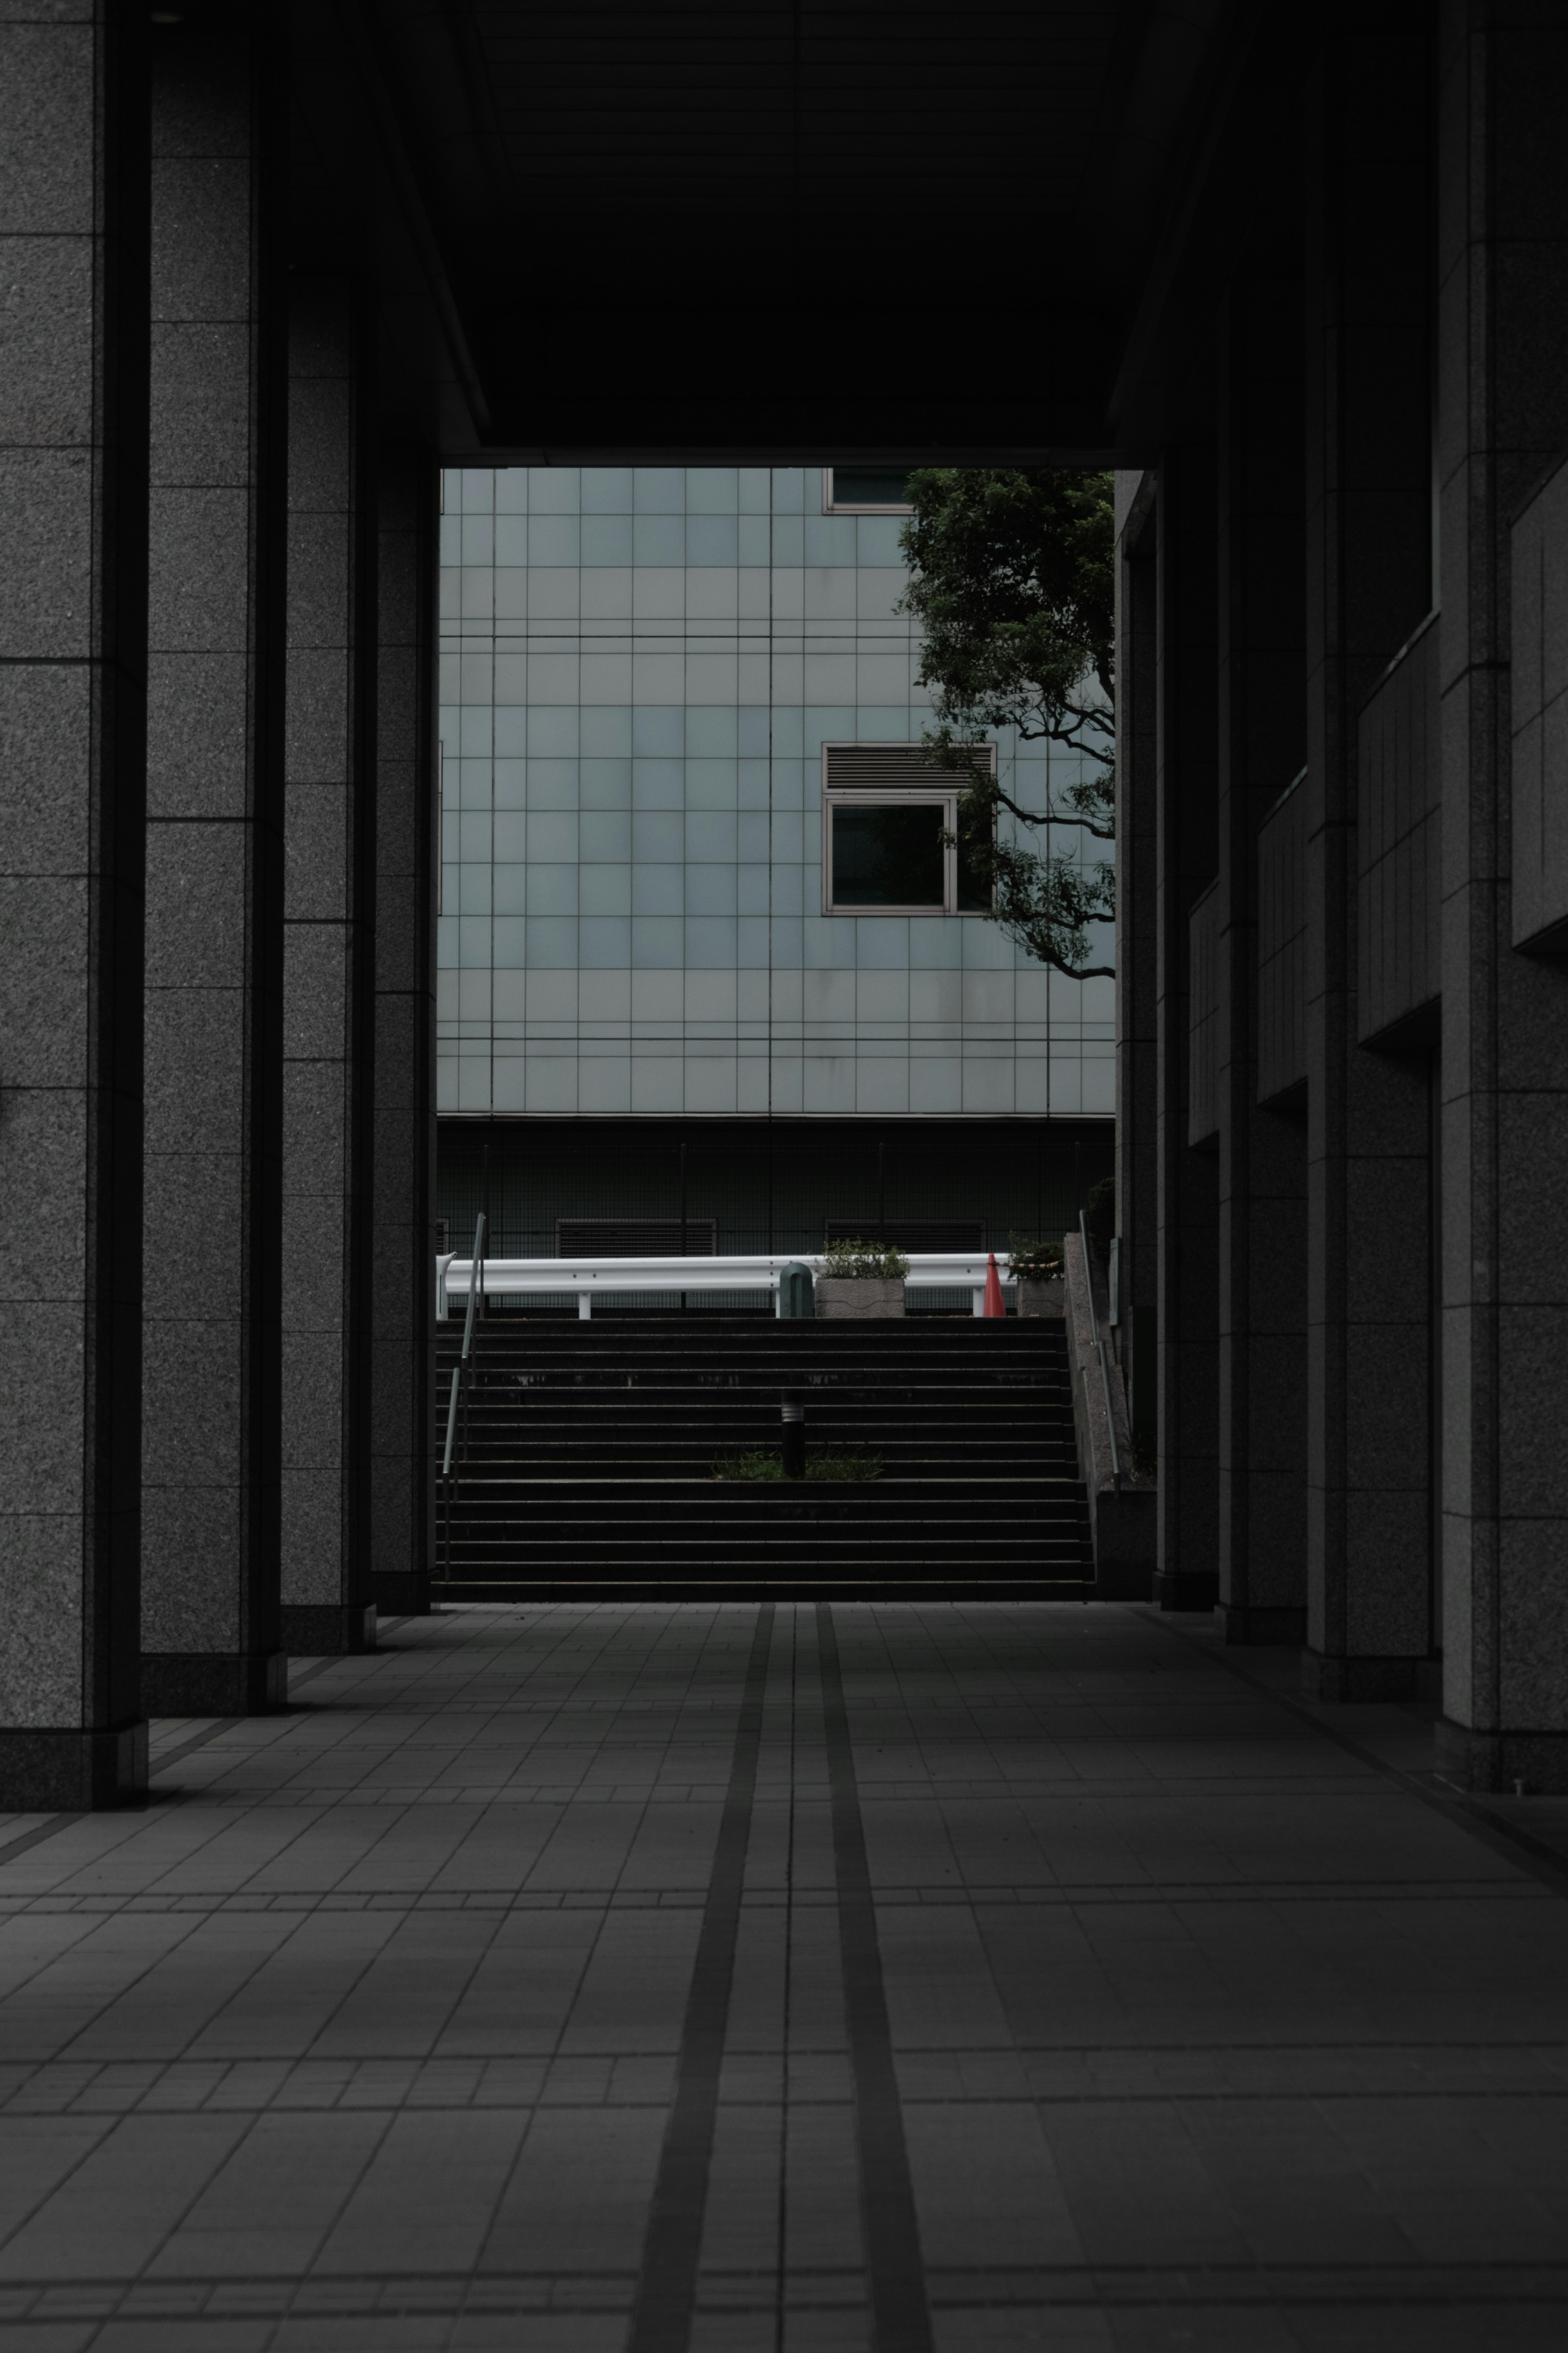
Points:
1398	839
45	356
196	734
1282	948
1202	1018
1538	751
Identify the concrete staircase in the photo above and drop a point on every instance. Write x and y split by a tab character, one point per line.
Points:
588	1466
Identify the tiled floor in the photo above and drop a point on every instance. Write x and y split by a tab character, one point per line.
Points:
976	1978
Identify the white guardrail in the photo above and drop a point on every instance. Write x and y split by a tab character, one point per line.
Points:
516	1277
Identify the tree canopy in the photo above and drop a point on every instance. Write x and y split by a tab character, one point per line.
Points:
1012	578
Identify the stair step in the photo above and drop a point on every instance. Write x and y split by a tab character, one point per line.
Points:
588	1454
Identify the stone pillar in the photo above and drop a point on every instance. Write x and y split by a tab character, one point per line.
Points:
1502	270
328	944
403	1134
1187	1179
1262	1175
1369	584
1137	740
210	1454
73	603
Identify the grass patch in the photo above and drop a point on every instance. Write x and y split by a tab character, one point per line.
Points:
827	1463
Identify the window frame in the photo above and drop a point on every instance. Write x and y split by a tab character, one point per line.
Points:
831	506
946	796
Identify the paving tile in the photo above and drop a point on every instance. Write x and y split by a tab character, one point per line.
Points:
109	2219
1207	2033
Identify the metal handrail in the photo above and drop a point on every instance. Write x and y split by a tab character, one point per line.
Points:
957	1271
1098	1346
460	1372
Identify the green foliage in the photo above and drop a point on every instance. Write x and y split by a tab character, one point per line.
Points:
1012	579
1100	1207
758	1462
1036	1261
860	1261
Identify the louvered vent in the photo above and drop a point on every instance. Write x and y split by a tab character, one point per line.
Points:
635	1238
893	769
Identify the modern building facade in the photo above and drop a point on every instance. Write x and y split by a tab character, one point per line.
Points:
691	860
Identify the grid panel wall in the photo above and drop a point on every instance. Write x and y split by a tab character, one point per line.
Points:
639	669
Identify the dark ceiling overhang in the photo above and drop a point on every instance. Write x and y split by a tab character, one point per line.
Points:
770	233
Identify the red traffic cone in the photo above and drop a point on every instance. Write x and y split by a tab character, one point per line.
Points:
994	1305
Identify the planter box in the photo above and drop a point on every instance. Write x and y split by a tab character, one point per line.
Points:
844	1294
1042	1298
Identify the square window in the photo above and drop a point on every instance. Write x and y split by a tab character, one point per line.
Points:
886	854
884	816
866	489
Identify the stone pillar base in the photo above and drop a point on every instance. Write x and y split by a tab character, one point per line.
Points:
401	1593
1495	1761
191	1683
70	1771
1262	1624
1362	1679
321	1629
1187	1588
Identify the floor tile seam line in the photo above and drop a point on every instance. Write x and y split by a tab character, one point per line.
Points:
1383	2096
162	1758
1518	1845
47	1829
203	1902
663	2303
896	2284
318	1667
1088	2267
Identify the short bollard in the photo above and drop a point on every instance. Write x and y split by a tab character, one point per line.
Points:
795	1291
793	1415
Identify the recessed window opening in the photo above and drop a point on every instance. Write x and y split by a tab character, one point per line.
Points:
883	852
889	854
866	489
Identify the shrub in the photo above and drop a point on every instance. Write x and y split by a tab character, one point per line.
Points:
828	1462
860	1261
1034	1260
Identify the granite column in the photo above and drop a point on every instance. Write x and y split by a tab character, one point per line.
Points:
403	1150
329	915
1262	1176
1137	744
210	1457
1368	585
1186	1180
73	606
